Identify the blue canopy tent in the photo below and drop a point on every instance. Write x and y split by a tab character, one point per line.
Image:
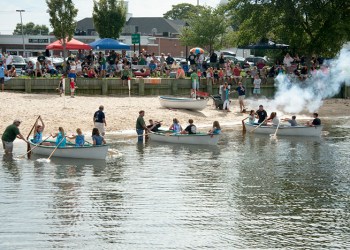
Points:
109	43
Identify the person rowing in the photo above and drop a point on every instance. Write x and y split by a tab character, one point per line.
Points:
175	127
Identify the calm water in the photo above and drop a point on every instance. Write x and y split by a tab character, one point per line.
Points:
248	192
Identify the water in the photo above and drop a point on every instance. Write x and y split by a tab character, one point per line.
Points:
248	192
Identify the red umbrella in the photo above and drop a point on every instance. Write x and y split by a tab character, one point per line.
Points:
71	45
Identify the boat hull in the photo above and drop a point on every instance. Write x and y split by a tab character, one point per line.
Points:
197	139
183	103
286	130
86	152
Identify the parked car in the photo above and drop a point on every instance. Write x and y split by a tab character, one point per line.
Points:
256	59
19	63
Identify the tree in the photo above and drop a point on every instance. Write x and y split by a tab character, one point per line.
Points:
182	11
205	29
308	26
62	19
31	29
109	17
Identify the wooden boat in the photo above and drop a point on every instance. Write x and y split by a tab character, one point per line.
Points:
286	130
183	103
71	151
170	137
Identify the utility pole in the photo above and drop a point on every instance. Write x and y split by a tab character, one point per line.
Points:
24	46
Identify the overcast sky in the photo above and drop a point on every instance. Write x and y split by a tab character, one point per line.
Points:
35	10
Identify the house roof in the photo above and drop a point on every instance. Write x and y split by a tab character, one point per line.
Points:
143	25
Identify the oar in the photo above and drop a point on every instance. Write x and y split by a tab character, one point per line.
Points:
243	124
56	148
257	126
28	145
35	146
274	135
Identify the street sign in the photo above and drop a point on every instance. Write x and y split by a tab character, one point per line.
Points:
135	38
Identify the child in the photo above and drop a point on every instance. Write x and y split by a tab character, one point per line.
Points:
60	86
257	83
2	76
251	117
221	75
209	76
97	139
61	138
176	127
216	129
226	93
72	87
216	75
79	138
195	83
38	133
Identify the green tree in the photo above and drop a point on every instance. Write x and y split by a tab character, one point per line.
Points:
308	26
62	19
205	29
109	17
31	29
182	11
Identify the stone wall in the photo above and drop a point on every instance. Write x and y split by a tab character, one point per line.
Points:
139	87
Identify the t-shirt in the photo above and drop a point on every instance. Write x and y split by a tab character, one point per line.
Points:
41	59
316	122
293	123
155	128
257	83
194	77
99	116
111	59
192	59
79	140
98	139
213	58
60	140
216	131
9	60
140	123
240	90
2	72
10	133
262	114
38	137
191	129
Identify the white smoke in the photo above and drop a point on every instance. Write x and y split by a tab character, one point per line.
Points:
295	96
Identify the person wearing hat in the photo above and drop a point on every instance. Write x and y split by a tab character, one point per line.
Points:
2	76
100	120
10	134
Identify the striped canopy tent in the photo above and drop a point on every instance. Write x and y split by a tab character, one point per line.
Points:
70	45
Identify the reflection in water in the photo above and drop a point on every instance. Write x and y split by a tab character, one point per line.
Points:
250	191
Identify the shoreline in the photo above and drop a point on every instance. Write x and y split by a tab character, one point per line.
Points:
122	112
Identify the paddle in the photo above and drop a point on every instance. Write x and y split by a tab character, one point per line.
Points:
56	148
28	145
257	126
274	135
243	124
34	147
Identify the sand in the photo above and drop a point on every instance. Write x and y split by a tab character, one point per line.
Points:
121	112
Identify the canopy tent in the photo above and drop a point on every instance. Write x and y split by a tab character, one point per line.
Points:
70	45
108	43
265	45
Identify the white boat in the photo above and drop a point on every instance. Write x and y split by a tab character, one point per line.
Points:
71	151
285	130
183	103
199	138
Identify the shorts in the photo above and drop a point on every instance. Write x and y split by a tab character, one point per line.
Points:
256	91
195	84
125	78
2	80
9	67
103	66
241	97
72	90
101	127
8	146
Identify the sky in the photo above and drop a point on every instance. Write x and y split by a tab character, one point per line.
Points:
35	10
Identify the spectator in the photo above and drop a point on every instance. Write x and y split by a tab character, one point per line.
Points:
180	73
287	61
169	60
213	59
192	60
9	61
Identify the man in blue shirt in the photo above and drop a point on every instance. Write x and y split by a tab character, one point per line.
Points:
2	76
100	120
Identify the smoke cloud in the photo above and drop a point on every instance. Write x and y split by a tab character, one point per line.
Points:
295	96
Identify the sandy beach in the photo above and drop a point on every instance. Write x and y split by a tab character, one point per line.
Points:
121	112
